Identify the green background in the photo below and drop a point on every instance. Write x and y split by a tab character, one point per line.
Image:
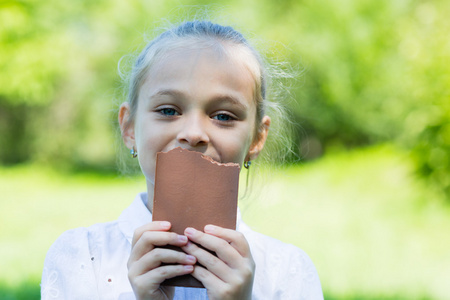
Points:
369	198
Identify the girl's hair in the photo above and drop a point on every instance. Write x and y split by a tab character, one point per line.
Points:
225	39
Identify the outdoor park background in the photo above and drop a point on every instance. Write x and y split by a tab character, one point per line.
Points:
369	200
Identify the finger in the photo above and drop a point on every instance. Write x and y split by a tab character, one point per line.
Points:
233	237
211	262
152	280
150	239
208	279
156	257
152	226
221	247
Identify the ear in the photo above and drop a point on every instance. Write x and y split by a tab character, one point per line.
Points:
260	139
126	125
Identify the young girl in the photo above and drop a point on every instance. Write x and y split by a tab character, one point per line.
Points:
199	86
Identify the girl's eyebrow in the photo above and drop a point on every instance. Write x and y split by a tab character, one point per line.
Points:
167	92
216	99
231	100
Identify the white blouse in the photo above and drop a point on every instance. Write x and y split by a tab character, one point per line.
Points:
91	263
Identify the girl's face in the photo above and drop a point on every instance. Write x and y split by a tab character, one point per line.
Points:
200	100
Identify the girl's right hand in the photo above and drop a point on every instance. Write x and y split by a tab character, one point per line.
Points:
145	269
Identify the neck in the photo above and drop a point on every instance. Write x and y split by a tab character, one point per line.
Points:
150	194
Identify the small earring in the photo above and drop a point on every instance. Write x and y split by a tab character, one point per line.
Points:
133	153
247	164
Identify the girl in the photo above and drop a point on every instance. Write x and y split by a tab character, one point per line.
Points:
202	87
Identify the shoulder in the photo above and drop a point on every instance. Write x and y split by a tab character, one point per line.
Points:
282	270
69	264
72	242
68	244
272	247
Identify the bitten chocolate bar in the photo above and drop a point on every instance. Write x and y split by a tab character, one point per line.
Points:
192	190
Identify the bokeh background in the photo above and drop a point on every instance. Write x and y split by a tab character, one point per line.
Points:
369	200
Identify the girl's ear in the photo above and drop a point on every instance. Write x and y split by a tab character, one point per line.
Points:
260	139
126	126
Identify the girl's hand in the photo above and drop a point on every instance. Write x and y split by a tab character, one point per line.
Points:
145	270
230	274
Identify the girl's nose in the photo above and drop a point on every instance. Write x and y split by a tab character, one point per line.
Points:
193	132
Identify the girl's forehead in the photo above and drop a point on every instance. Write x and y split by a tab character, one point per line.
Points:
205	58
200	63
224	51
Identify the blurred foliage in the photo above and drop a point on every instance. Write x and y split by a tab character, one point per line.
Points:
27	290
375	71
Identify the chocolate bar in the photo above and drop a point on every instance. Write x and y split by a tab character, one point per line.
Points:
192	190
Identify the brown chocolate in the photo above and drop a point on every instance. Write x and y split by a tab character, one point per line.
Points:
192	190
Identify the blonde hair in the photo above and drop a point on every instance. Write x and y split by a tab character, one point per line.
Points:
201	33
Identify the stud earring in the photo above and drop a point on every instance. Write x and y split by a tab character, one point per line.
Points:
133	153
247	164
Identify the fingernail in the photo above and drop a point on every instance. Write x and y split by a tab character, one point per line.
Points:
164	224
190	258
182	239
210	228
189	268
189	231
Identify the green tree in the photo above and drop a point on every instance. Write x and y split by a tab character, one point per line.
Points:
374	72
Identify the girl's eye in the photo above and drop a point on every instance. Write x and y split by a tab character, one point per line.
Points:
168	111
223	117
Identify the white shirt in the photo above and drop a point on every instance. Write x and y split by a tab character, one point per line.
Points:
91	263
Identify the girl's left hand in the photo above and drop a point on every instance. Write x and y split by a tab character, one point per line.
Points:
230	274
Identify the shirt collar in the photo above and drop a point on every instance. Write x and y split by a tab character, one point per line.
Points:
134	216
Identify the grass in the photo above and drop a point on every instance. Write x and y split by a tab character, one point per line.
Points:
371	228
26	290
